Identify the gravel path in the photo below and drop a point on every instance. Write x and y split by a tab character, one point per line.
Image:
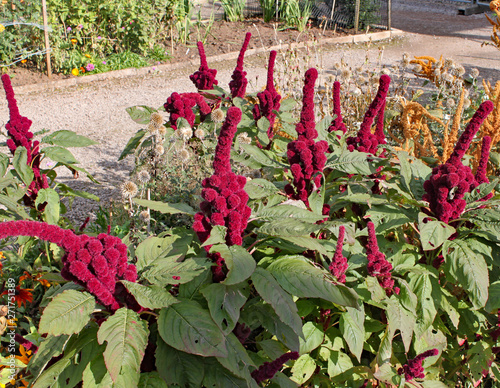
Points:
97	110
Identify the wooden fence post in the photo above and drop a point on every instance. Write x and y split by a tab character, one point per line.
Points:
356	16
389	14
46	33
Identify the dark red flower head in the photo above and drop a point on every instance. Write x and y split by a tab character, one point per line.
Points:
238	83
204	78
413	369
337	123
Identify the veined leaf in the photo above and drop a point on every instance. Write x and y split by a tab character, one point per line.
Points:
426	311
260	188
20	163
217	376
433	233
67	313
240	263
152	297
468	269
289	227
312	337
351	163
188	327
65	138
51	347
237	361
353	330
126	335
141	114
304	280
51	211
400	319
59	154
166	208
281	301
263	157
281	212
132	144
151	380
303	369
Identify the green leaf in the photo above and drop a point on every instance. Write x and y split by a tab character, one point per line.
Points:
70	192
178	368
263	124
96	375
426	311
224	303
312	338
67	313
20	163
132	144
151	297
303	369
237	361
433	233
151	380
387	216
486	219
351	163
141	114
282	302
49	348
217	236
260	188
126	335
4	164
302	279
263	157
338	363
270	321
218	377
281	212
166	208
65	138
51	211
287	104
400	319
188	327
480	192
493	303
353	330
49	378
60	155
467	268
290	227
240	263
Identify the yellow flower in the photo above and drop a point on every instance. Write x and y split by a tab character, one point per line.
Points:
74	41
2	256
88	55
2	28
75	72
24	61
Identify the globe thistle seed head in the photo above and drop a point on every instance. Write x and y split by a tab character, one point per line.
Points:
162	130
152	129
156	119
474	73
386	71
199	133
217	115
143	176
337	66
417	68
144	216
345	73
466	103
448	62
450	103
459	71
159	150
129	190
185	133
243	138
184	155
447	77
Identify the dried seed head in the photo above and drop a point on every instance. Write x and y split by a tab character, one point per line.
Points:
144	216
417	68
156	119
450	103
447	77
162	130
129	190
459	71
143	176
159	150
345	73
243	138
185	133
466	103
474	73
356	92
448	62
184	155
152	129
217	115
199	133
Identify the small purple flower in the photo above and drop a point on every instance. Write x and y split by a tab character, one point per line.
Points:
103	62
80	26
99	37
68	29
131	22
90	67
123	28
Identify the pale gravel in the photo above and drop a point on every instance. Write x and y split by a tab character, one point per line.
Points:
98	110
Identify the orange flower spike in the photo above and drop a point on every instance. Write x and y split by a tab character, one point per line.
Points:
25	355
43	282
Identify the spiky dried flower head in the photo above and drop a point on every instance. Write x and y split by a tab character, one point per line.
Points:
450	103
239	82
199	133
448	62
337	65
156	119
243	138
159	150
459	71
417	68
345	73
185	133
474	73
129	190
217	115
162	130
386	71
144	216
152	129
467	103
143	176
184	155
447	77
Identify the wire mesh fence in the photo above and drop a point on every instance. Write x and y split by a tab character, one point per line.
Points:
336	14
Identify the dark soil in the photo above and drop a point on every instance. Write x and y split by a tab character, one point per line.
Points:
224	37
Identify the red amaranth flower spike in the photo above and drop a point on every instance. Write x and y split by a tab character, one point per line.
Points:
204	78
337	123
225	200
18	129
97	263
269	99
339	265
413	369
450	181
268	369
365	140
181	105
239	82
378	266
306	156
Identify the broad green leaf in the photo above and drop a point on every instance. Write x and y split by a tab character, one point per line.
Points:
224	303
51	211
281	212
351	163
479	356
50	376
263	124
387	216
151	297
260	188
188	327
467	268
4	164
400	319
217	236
67	191
166	208
338	363
433	384
263	157
154	249
141	114
384	352
96	375
353	330
65	138
126	335
67	313
298	244
303	369
20	163
426	311
493	303
178	368
313	337
302	279
132	144
240	263
433	233
290	227
13	206
281	301
479	192
59	154
283	381
50	347
287	104
237	361
151	380
486	219
217	376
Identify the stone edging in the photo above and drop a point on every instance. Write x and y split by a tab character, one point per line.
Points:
131	72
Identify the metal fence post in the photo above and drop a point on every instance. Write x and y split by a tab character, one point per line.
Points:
356	16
